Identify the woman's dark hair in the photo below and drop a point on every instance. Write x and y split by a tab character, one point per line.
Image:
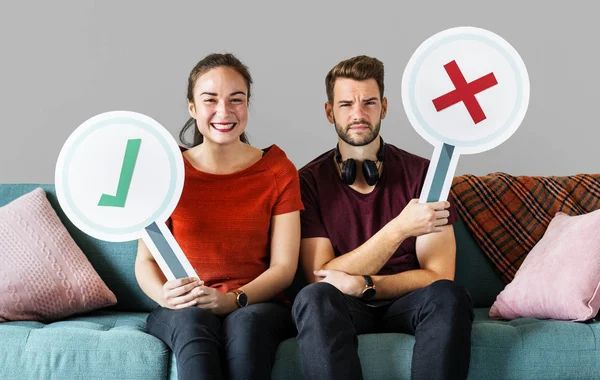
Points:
210	62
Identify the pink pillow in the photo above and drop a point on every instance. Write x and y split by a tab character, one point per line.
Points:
43	274
560	277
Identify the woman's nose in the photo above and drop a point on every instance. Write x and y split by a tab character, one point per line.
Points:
222	108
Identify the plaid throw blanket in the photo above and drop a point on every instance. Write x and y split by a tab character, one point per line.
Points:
508	215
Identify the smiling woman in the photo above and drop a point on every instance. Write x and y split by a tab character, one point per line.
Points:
238	223
227	62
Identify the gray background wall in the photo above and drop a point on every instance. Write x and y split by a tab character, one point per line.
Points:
63	62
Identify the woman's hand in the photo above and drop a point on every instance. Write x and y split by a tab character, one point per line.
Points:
181	293
215	301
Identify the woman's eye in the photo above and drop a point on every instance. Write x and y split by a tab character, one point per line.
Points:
209	100
236	100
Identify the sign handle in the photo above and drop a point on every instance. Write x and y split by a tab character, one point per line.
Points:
167	253
440	174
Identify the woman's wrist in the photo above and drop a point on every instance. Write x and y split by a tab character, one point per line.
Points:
232	300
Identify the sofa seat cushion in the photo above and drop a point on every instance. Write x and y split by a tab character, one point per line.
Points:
534	334
528	348
523	348
99	345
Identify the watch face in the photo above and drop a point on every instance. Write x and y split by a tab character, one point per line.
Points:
368	293
242	299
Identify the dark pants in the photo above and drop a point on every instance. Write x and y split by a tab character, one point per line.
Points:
439	316
241	345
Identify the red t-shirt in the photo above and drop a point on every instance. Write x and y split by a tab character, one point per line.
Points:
348	218
222	222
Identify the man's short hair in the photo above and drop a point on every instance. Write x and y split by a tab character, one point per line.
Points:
357	68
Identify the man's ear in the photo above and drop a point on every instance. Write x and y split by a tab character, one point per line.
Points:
383	107
192	109
329	112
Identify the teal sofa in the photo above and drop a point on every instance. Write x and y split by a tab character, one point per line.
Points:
112	344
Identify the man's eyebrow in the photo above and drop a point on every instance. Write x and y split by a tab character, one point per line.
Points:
344	101
371	99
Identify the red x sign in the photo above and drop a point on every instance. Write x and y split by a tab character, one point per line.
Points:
498	83
465	92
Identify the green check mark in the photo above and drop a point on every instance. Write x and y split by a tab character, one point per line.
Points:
131	153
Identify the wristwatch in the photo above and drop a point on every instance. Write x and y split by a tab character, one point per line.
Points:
369	292
241	297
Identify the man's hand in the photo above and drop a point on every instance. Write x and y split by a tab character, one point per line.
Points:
347	284
181	293
215	301
421	218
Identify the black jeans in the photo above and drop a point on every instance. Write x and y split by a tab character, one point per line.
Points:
440	317
241	345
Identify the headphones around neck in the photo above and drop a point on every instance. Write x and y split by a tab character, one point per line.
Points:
369	167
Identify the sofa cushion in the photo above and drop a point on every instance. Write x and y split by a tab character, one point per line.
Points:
99	345
528	348
114	262
44	275
519	349
560	277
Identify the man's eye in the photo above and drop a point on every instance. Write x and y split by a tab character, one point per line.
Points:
344	105
371	102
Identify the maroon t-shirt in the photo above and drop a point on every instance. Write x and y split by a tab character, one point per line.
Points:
348	218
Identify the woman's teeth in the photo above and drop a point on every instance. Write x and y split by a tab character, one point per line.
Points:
223	127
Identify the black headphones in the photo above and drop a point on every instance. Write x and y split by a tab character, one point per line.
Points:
369	168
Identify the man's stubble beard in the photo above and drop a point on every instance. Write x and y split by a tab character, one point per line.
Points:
342	132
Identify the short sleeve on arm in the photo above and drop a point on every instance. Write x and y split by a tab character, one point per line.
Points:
288	186
311	219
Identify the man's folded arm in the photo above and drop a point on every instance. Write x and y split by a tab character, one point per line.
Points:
436	253
317	253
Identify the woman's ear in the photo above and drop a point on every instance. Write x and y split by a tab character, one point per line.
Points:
192	109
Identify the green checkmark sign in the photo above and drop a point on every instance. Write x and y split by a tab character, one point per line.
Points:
131	153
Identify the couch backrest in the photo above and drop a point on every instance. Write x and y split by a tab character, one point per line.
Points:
114	262
474	270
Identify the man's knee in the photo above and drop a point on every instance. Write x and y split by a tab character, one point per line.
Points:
316	297
449	296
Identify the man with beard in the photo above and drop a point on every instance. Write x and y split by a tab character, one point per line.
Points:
375	258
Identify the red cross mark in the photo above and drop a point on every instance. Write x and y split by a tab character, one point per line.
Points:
465	92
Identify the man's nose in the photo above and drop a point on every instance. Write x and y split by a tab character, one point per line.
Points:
359	112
